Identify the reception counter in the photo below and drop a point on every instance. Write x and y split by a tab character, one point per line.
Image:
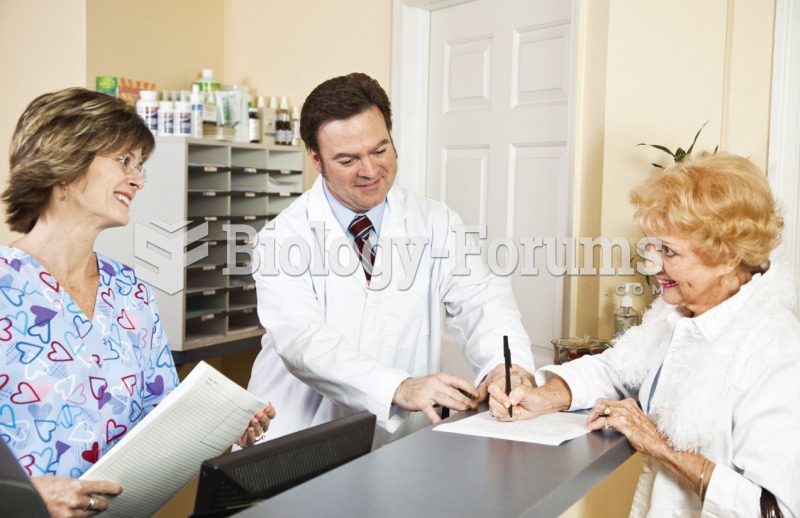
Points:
432	473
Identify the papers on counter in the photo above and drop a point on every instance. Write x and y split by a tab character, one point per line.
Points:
550	429
197	421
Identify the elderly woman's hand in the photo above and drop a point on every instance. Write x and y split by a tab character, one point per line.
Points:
71	497
529	401
627	418
494	385
257	428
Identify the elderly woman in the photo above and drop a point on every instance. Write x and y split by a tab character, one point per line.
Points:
715	366
84	355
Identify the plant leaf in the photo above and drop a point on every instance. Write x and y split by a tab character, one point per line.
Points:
657	165
660	148
695	138
680	154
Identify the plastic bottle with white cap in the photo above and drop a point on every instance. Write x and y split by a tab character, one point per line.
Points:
166	119
183	119
196	101
147	108
295	125
626	317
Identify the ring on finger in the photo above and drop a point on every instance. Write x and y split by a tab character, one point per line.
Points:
607	410
90	507
605	425
258	437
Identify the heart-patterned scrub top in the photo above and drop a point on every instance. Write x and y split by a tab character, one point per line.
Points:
70	387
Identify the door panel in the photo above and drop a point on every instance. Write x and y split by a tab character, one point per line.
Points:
498	131
464	182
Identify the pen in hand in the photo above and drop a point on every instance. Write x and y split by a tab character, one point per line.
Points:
507	356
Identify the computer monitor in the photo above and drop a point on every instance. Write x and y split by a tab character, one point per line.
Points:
230	482
18	497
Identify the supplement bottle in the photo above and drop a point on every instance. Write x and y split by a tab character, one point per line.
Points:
183	119
254	125
283	128
166	119
147	108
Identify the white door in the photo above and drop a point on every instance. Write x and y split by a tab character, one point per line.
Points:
498	131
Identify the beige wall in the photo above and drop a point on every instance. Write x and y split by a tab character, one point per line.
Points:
298	44
167	43
590	87
666	73
44	49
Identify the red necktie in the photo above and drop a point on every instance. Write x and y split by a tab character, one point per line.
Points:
359	228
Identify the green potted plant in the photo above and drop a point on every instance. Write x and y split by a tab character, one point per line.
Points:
679	154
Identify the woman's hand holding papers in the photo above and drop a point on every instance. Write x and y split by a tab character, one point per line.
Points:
67	497
257	428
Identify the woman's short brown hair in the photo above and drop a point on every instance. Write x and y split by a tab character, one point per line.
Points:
720	202
56	138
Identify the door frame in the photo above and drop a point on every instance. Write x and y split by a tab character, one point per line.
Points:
409	95
409	87
783	165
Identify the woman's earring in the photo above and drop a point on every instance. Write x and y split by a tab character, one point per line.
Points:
66	194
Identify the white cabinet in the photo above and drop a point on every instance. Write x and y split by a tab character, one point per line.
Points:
191	229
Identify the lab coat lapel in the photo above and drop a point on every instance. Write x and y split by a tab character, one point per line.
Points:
319	213
393	226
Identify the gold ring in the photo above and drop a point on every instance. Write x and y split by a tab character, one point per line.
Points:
258	437
607	410
605	426
91	504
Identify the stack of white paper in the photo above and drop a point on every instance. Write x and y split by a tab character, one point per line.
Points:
197	421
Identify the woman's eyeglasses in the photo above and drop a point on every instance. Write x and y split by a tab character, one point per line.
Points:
129	164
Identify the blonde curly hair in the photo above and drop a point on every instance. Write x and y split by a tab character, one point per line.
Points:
720	202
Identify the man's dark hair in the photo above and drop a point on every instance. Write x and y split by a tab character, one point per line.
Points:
338	99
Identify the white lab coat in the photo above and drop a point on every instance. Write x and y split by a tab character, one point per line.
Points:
335	346
729	388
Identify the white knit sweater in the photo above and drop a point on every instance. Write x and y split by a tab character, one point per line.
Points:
729	388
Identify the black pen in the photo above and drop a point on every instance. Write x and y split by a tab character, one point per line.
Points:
507	356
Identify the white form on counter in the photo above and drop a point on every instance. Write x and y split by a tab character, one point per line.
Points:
549	429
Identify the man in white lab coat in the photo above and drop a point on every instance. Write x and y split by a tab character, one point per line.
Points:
353	305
